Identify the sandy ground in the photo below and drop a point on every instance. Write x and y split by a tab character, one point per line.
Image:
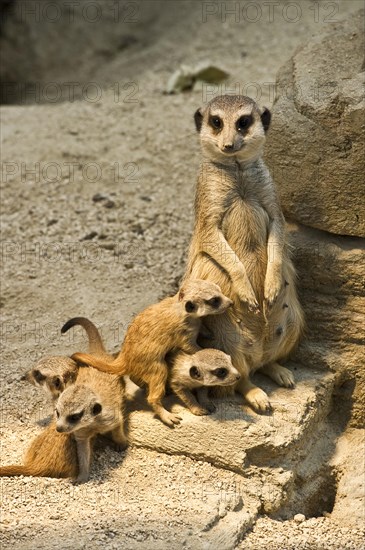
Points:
66	253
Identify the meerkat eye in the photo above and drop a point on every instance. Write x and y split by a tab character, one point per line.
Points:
220	373
74	418
244	122
216	122
38	376
57	383
189	306
195	373
215	302
96	409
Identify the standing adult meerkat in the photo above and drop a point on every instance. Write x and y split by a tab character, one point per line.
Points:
92	406
55	373
239	242
172	324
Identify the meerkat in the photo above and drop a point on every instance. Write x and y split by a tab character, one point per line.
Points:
197	372
55	373
239	242
172	324
92	406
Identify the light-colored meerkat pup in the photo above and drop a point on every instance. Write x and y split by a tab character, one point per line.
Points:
172	324
92	406
198	372
55	373
239	242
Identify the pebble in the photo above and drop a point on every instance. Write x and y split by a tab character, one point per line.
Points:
299	518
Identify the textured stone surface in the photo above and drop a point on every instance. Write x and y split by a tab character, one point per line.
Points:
331	283
315	147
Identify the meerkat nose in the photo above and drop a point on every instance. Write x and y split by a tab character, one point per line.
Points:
60	429
238	376
228	147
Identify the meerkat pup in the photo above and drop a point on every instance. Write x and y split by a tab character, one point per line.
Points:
239	242
172	324
93	405
197	372
55	373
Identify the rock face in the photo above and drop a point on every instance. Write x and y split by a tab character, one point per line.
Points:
315	148
331	275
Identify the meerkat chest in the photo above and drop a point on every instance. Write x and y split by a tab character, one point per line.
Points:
246	221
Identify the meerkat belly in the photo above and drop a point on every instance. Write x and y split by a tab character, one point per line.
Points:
245	227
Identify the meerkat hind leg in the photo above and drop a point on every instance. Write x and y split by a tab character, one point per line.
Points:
281	375
255	396
156	391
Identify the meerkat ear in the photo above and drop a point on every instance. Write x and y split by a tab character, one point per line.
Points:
181	294
266	119
198	117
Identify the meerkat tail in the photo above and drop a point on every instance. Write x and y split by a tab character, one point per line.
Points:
17	470
116	367
95	342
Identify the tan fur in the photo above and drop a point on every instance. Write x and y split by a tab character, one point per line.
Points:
64	449
239	242
55	373
155	332
51	454
197	372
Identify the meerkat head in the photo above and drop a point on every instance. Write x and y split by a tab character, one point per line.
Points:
212	367
201	298
53	375
78	408
232	128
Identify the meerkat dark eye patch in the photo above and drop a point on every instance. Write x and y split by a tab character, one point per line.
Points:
216	122
214	302
57	382
220	373
244	122
38	376
266	119
189	306
74	418
97	408
195	373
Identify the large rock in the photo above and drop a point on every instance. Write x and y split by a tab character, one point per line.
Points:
315	148
331	275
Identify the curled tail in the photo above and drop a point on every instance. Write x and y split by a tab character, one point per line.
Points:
114	367
95	342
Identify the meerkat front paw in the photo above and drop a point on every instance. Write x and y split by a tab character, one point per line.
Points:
199	411
81	478
273	286
169	419
247	296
